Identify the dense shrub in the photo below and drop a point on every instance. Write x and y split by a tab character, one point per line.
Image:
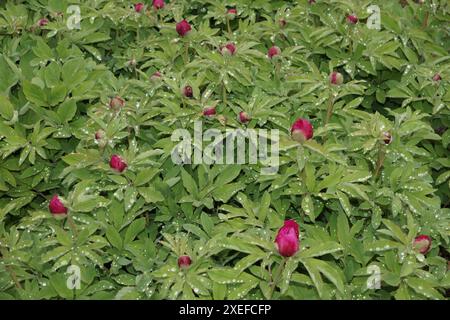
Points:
87	179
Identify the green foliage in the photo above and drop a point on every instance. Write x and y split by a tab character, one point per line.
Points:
358	201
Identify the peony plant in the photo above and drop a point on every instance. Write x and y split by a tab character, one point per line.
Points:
92	116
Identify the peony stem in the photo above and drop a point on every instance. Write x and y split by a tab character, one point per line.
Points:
380	161
425	20
14	277
72	224
186	52
224	94
276	279
277	70
229	26
329	109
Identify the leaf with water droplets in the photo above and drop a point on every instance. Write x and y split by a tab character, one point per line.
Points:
308	207
381	245
54	254
134	229
114	237
224	193
289	268
320	249
130	197
424	288
345	203
241	291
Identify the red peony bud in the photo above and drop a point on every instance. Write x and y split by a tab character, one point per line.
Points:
282	22
437	77
156	76
287	241
387	137
336	78
56	206
352	19
116	103
183	27
273	51
301	130
231	13
42	22
244	117
422	244
132	62
138	7
209	112
311	1
100	138
184	262
99	134
229	49
117	163
187	92
158	4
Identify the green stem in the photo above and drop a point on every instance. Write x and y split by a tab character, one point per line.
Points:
14	277
186	52
224	94
329	108
380	160
72	224
229	26
276	279
277	70
425	20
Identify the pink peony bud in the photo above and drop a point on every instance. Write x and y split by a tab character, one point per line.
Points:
99	134
158	4
42	22
231	13
244	117
117	163
287	241
352	19
422	244
437	77
209	112
116	103
336	78
183	27
229	49
387	137
100	138
56	206
156	76
184	262
138	7
301	130
187	92
132	62
273	51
